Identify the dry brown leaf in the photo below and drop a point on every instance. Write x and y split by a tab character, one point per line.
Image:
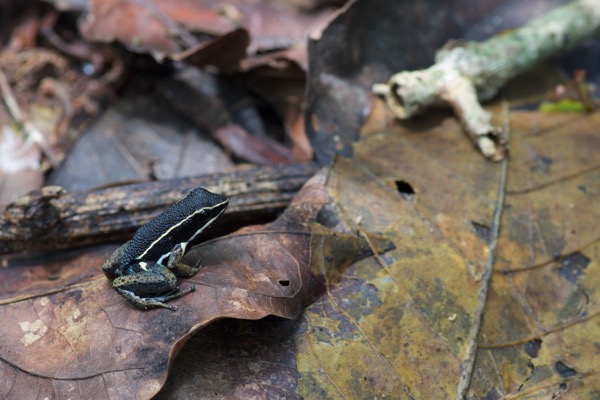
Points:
169	28
72	331
268	38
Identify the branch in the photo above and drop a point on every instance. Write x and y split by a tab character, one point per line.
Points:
53	219
467	72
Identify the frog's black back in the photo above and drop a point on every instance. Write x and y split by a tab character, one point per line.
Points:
177	224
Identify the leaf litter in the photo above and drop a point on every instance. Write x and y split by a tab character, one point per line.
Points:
97	336
398	323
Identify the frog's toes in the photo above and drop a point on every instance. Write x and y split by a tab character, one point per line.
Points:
145	302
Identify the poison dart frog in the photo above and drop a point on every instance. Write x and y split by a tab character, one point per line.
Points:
145	269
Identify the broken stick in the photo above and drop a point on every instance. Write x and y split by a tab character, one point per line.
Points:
466	73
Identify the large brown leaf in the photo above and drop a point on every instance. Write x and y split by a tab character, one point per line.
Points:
407	325
540	329
65	329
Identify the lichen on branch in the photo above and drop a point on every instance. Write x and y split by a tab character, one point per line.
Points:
466	73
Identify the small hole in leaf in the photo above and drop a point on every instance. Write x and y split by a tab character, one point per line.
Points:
284	283
563	386
405	189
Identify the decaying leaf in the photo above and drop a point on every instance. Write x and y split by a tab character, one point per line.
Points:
403	324
541	321
185	29
99	343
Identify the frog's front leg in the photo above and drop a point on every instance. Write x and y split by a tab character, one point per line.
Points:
180	269
149	285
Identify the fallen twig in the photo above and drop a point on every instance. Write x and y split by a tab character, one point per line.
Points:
466	73
54	219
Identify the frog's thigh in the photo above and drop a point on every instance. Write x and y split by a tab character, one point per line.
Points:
157	281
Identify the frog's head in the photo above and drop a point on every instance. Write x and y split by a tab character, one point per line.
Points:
199	210
211	204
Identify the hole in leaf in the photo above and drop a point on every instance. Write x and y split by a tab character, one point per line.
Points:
284	283
405	189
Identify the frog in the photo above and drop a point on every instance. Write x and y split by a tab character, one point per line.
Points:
145	269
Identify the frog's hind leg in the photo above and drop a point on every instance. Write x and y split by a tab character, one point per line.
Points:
149	285
154	302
